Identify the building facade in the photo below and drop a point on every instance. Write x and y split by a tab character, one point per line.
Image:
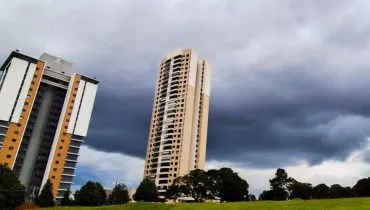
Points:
178	130
45	110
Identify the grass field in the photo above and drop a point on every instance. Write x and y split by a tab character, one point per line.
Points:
342	204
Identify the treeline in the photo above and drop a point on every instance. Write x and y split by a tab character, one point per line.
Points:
283	187
90	194
12	194
223	184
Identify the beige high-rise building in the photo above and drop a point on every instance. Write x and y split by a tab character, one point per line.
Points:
178	131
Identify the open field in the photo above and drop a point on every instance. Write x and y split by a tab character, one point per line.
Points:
342	204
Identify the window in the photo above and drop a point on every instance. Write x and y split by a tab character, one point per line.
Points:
16	132
11	148
57	162
60	147
54	169
8	156
14	140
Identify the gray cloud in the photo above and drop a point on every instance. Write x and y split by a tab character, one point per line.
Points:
290	79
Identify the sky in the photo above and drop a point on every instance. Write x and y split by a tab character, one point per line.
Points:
290	80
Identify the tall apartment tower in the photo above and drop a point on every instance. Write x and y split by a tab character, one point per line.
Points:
45	110
178	131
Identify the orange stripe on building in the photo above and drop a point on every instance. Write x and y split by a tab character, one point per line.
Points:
64	139
14	135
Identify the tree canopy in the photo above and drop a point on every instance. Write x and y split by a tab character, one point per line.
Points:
12	192
147	191
46	197
300	190
232	187
362	188
91	194
200	185
337	191
119	195
280	185
321	191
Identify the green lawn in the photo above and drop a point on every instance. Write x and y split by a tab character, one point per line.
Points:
342	204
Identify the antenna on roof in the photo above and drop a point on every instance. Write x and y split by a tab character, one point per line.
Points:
17	50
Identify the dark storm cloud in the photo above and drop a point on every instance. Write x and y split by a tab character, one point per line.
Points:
271	119
121	121
289	83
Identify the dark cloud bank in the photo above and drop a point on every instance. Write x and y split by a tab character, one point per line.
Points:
262	119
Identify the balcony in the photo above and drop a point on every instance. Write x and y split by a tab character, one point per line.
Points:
171	111
73	150
72	157
170	131
167	148
167	142
177	65
75	143
171	116
154	160
174	83
155	149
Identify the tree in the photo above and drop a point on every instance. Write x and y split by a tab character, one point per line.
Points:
91	194
266	195
193	185
321	191
232	187
362	188
213	183
252	197
301	190
46	197
337	191
66	200
280	185
119	195
174	192
147	191
12	192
